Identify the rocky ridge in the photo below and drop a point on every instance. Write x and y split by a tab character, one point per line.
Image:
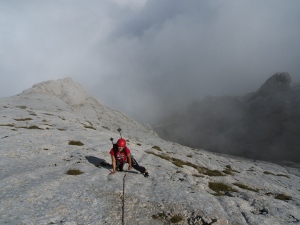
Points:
262	125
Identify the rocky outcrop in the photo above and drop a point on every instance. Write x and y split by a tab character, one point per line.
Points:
261	125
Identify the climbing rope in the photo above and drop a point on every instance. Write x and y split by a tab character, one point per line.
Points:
123	198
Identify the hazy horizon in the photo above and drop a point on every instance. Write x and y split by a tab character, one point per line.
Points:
149	58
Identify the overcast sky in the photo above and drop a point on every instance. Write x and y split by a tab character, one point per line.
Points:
148	57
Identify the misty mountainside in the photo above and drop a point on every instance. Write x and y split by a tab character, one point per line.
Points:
261	125
55	166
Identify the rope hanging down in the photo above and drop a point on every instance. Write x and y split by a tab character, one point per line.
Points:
123	199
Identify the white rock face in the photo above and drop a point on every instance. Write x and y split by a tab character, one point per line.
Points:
36	128
65	89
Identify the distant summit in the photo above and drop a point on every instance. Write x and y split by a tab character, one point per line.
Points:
262	125
73	98
277	83
66	89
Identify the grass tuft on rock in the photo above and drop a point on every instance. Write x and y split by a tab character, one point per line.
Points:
22	119
62	129
48	114
209	172
33	127
197	175
7	125
283	197
159	216
74	172
157	148
89	127
243	186
78	143
279	175
283	175
180	163
229	170
32	113
176	219
22	107
220	188
269	173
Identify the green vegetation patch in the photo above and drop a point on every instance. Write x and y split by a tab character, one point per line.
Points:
62	129
269	173
7	125
22	107
279	175
176	219
23	119
209	172
197	175
74	172
157	148
31	113
89	127
78	143
34	127
282	175
229	170
181	163
31	127
159	216
243	186
48	114
283	197
269	193
220	188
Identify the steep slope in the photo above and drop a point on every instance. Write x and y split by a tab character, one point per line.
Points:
185	185
261	125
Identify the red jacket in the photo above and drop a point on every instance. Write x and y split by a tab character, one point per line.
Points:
120	156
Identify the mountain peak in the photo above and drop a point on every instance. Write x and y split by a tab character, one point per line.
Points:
276	83
66	89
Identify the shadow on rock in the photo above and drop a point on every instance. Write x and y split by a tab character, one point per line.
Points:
98	162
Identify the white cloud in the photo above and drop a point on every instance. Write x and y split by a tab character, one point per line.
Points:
132	4
155	48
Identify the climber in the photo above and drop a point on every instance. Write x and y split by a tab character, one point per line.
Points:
120	155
